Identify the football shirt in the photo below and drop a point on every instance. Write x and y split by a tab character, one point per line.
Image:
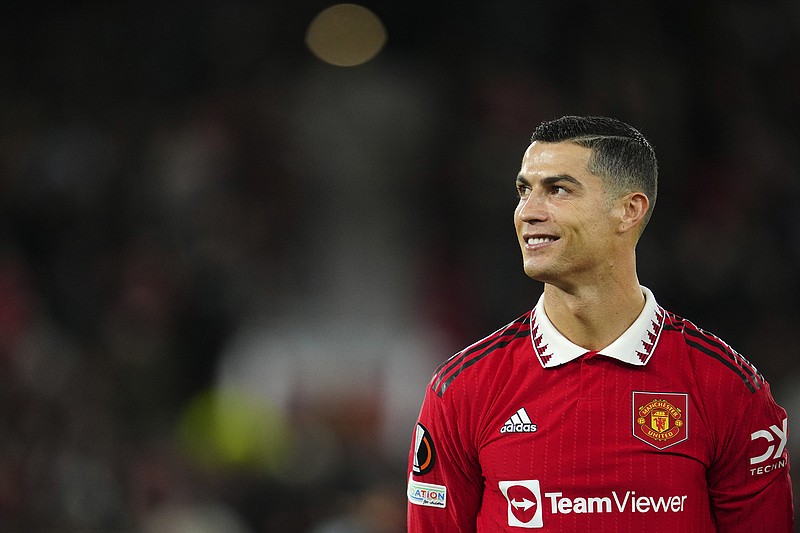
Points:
667	429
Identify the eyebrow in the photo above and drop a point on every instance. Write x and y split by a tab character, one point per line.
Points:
551	180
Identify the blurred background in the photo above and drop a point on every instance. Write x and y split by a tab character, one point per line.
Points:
237	237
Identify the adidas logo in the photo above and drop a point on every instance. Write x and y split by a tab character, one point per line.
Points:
520	422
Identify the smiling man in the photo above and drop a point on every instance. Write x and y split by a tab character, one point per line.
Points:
598	409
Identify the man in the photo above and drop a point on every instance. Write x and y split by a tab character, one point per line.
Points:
598	410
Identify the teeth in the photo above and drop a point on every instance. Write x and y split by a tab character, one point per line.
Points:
540	240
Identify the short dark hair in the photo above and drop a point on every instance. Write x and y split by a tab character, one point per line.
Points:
620	153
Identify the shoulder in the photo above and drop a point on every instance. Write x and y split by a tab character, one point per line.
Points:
713	354
474	357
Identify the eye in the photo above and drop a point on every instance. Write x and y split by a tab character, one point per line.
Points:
523	190
558	190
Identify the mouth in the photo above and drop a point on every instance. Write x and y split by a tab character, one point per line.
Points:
534	241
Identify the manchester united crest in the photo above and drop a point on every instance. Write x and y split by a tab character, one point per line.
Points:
660	418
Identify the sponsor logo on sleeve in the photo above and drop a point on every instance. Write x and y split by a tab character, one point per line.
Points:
426	494
661	419
424	451
773	442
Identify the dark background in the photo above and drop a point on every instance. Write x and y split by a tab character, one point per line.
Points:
192	204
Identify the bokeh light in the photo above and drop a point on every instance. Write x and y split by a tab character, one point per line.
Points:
226	429
346	35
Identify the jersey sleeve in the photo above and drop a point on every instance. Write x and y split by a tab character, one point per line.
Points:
749	484
444	479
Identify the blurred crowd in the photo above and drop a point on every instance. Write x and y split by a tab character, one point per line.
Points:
227	269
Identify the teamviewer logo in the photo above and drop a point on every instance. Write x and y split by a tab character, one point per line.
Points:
524	503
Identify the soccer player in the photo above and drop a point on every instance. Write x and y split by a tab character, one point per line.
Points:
598	410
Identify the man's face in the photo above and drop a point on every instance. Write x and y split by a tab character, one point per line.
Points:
564	220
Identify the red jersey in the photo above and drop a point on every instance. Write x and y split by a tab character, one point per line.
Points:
667	429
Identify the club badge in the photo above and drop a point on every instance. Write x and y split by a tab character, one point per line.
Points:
660	419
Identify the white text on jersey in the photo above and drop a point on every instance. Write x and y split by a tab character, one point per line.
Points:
628	501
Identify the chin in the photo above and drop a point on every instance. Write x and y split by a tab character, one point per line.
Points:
535	273
545	273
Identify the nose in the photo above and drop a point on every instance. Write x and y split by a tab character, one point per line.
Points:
532	209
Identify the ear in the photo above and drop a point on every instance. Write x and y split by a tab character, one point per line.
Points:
633	208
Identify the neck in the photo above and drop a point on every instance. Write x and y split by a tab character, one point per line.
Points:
594	316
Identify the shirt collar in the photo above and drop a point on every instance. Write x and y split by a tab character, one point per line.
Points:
635	346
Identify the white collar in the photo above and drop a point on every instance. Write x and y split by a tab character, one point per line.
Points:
635	346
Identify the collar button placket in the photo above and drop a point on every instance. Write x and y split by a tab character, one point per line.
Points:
590	376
